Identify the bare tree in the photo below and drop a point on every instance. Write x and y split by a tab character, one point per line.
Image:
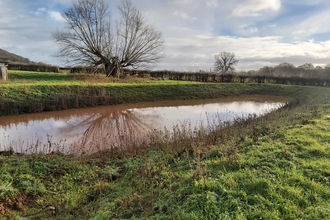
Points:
266	70
225	61
91	38
285	69
306	66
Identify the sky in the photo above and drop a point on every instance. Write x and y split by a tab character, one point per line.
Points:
259	32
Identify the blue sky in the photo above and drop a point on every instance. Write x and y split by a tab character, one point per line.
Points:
259	32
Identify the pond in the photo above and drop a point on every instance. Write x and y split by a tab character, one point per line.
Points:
90	130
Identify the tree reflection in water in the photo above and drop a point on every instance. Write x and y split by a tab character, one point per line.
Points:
121	127
118	128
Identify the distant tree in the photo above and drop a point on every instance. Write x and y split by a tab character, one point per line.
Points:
285	65
225	61
319	72
252	73
284	69
326	71
266	70
91	38
306	66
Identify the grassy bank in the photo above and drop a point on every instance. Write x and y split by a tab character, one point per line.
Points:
28	92
273	167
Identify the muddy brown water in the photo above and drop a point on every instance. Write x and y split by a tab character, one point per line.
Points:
91	130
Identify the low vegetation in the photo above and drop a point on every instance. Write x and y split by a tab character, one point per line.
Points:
272	167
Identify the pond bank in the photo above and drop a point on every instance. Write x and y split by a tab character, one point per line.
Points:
274	167
33	98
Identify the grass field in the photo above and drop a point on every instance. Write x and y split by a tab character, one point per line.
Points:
273	167
43	78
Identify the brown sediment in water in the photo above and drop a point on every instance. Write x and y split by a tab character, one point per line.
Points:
95	129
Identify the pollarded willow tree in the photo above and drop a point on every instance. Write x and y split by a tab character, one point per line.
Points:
225	61
92	38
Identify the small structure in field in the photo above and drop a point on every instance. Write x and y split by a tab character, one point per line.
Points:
3	70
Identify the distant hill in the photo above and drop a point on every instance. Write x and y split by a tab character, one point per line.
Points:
10	57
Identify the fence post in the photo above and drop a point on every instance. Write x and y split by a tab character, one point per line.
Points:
3	71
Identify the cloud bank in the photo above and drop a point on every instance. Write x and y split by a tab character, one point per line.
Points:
255	7
259	32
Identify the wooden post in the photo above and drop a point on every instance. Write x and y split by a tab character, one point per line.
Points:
3	72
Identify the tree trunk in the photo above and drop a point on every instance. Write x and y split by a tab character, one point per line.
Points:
107	67
113	68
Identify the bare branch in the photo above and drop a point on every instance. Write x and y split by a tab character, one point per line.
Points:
90	39
225	61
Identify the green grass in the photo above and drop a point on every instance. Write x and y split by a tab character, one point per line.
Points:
276	178
18	78
30	92
273	167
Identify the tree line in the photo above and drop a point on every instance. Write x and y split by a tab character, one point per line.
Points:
285	69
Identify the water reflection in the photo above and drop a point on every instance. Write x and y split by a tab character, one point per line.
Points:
108	128
94	129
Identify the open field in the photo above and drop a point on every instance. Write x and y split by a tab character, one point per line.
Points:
273	167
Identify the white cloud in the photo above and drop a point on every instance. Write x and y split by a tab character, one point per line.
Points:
56	16
192	31
245	30
39	11
316	24
183	16
255	7
212	3
183	2
196	52
42	9
253	30
53	15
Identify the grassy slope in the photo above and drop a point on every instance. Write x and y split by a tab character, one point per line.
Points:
276	167
29	92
